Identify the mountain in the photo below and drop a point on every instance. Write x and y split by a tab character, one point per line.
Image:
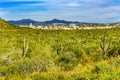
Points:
24	22
63	21
4	24
59	21
28	21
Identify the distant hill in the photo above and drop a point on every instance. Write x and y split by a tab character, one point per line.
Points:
4	24
28	21
63	21
24	22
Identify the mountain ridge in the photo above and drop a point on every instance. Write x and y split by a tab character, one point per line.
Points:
28	21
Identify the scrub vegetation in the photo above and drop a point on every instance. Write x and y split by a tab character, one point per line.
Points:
29	54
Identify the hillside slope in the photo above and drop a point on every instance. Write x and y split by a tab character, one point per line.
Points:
4	24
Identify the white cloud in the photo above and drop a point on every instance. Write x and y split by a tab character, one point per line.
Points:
3	13
73	4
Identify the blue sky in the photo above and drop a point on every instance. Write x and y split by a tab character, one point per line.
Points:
95	11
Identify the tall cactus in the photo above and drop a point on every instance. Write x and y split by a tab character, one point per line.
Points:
25	48
105	45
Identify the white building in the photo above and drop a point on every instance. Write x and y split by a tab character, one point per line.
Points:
73	26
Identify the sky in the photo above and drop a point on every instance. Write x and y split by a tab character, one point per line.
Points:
94	11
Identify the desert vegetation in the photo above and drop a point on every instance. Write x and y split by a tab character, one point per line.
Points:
28	54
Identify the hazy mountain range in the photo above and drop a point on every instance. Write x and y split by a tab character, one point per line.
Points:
28	21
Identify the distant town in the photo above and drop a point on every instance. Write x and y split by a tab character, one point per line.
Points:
58	26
